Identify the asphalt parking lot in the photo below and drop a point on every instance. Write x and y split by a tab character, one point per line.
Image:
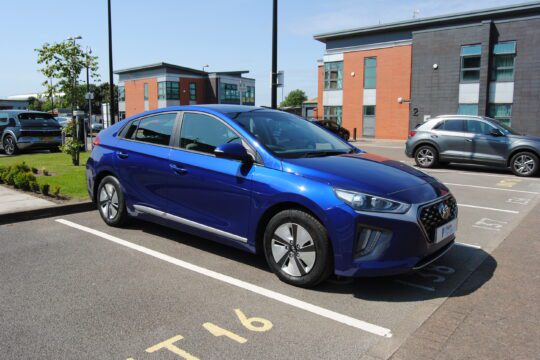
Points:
72	287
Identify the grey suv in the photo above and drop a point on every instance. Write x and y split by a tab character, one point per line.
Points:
473	139
22	129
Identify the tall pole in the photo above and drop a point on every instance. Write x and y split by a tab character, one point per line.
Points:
52	98
274	54
88	53
112	104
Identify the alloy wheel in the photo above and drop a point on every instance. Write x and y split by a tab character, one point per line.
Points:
425	157
9	145
293	249
108	201
524	164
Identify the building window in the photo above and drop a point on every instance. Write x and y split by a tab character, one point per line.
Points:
369	110
333	113
121	93
504	54
192	91
470	63
333	75
145	91
248	96
501	112
468	109
168	90
370	73
229	93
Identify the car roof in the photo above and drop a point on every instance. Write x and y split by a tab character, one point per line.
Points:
225	108
460	117
16	111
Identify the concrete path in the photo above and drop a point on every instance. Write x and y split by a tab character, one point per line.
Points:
12	201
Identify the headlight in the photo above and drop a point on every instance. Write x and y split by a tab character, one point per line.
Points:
365	202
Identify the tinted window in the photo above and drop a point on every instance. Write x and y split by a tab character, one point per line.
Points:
37	119
204	133
129	132
156	129
452	125
478	127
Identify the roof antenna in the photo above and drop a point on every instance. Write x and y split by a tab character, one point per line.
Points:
416	13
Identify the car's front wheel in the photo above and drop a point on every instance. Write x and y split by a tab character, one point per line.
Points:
297	248
10	145
110	202
426	156
524	164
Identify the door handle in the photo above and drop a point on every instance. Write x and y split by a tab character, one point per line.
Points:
177	169
469	140
122	155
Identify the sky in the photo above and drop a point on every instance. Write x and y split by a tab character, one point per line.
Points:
226	35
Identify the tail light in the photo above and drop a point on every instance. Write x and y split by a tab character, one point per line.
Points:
96	141
412	133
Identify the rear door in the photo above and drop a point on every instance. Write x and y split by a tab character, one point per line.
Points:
142	160
485	147
453	140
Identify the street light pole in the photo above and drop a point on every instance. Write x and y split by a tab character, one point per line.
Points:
88	53
74	132
274	53
52	97
111	79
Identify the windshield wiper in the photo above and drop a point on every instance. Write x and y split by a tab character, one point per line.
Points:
325	153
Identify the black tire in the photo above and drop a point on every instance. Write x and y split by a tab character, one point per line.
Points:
109	192
426	156
524	164
280	251
10	145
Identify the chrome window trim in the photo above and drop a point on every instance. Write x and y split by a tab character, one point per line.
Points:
187	222
139	119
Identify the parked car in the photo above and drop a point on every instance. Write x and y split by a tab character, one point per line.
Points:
96	127
335	128
473	139
23	129
63	121
270	182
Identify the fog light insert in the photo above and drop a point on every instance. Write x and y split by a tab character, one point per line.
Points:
366	241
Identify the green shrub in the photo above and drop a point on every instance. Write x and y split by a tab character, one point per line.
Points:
10	176
34	170
34	186
3	173
44	189
45	171
22	167
23	179
56	191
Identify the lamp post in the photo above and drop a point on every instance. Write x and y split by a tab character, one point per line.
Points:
274	53
111	78
73	90
52	96
205	66
89	95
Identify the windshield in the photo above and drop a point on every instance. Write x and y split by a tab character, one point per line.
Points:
505	128
37	119
287	135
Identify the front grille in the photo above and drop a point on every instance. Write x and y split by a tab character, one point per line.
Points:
431	219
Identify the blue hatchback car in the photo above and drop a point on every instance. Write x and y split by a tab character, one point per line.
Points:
270	182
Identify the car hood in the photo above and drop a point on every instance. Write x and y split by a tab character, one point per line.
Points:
369	173
535	139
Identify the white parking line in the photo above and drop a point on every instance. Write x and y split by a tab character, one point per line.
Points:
493	188
344	319
488	208
469	245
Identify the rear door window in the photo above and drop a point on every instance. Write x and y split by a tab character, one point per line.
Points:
453	125
155	129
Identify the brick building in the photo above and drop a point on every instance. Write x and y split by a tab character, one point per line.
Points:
483	62
161	85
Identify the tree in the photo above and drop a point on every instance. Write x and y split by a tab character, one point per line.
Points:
35	104
64	61
294	98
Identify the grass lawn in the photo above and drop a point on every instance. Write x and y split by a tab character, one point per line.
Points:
71	179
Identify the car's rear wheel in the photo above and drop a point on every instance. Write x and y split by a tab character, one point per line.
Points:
110	202
297	248
10	145
524	164
426	156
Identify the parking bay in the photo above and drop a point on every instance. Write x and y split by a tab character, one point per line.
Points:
68	291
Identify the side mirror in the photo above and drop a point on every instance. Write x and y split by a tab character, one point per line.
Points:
496	132
234	151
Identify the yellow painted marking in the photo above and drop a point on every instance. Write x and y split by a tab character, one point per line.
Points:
219	331
508	183
251	323
169	345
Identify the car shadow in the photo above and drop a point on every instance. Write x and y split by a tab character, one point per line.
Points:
449	276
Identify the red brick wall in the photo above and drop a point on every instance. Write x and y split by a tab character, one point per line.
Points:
184	90
135	95
393	81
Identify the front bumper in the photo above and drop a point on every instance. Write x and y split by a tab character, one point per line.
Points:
400	245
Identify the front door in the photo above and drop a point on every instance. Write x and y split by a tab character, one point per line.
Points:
206	192
487	148
142	160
